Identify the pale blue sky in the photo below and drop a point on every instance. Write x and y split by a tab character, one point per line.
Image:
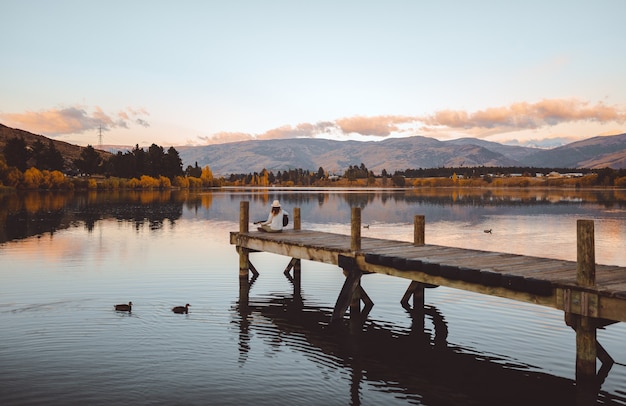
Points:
196	72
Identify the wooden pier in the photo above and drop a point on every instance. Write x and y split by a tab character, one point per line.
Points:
590	295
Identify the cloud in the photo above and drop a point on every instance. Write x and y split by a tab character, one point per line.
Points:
380	126
487	122
73	120
225	137
524	116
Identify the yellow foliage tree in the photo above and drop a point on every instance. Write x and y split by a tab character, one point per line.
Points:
207	176
181	182
33	178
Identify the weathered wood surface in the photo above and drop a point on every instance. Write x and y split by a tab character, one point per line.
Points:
544	281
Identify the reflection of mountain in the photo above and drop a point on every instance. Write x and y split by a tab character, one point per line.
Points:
418	367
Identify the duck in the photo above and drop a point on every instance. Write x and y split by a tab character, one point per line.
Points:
124	307
488	231
366	226
181	309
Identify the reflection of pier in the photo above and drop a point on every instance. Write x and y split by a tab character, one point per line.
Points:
591	296
421	367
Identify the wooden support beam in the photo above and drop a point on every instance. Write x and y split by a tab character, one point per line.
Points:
349	288
244	262
255	273
586	347
415	290
291	265
585	351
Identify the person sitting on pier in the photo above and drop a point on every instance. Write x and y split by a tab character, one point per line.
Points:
274	223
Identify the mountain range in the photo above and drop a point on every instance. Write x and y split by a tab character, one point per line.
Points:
389	154
400	154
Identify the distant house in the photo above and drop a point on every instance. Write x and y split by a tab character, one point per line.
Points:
333	177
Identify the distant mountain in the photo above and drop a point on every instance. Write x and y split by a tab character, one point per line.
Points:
336	156
594	153
400	153
391	154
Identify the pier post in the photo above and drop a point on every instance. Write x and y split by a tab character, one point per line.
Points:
355	240
586	256
418	230
585	329
296	218
244	254
244	216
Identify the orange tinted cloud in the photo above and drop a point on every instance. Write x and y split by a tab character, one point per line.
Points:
517	116
73	120
381	126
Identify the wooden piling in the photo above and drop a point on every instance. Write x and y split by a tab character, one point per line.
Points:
355	240
418	230
244	253
586	343
296	218
586	257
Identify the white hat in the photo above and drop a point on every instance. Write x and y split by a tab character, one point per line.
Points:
275	203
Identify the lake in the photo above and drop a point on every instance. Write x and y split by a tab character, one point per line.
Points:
67	258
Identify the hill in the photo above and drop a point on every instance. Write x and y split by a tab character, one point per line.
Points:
69	151
594	153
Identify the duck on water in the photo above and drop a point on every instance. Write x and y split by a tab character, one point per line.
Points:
124	307
181	309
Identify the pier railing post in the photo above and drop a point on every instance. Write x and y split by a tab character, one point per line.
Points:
418	230
296	218
244	254
586	340
244	215
586	256
355	240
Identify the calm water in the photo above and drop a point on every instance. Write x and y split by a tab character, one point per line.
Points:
65	260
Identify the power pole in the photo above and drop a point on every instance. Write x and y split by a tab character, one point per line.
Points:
100	137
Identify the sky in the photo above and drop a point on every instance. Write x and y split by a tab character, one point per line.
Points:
175	73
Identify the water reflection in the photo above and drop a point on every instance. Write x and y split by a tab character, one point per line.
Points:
416	364
26	214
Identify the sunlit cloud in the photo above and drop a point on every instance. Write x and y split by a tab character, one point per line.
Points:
225	137
380	126
521	116
73	120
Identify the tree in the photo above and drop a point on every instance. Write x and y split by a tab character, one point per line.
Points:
172	164
16	154
193	171
156	157
52	158
89	162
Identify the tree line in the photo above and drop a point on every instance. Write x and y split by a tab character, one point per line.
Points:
44	166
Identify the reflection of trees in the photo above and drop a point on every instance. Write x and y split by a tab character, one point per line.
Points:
26	214
478	197
416	364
